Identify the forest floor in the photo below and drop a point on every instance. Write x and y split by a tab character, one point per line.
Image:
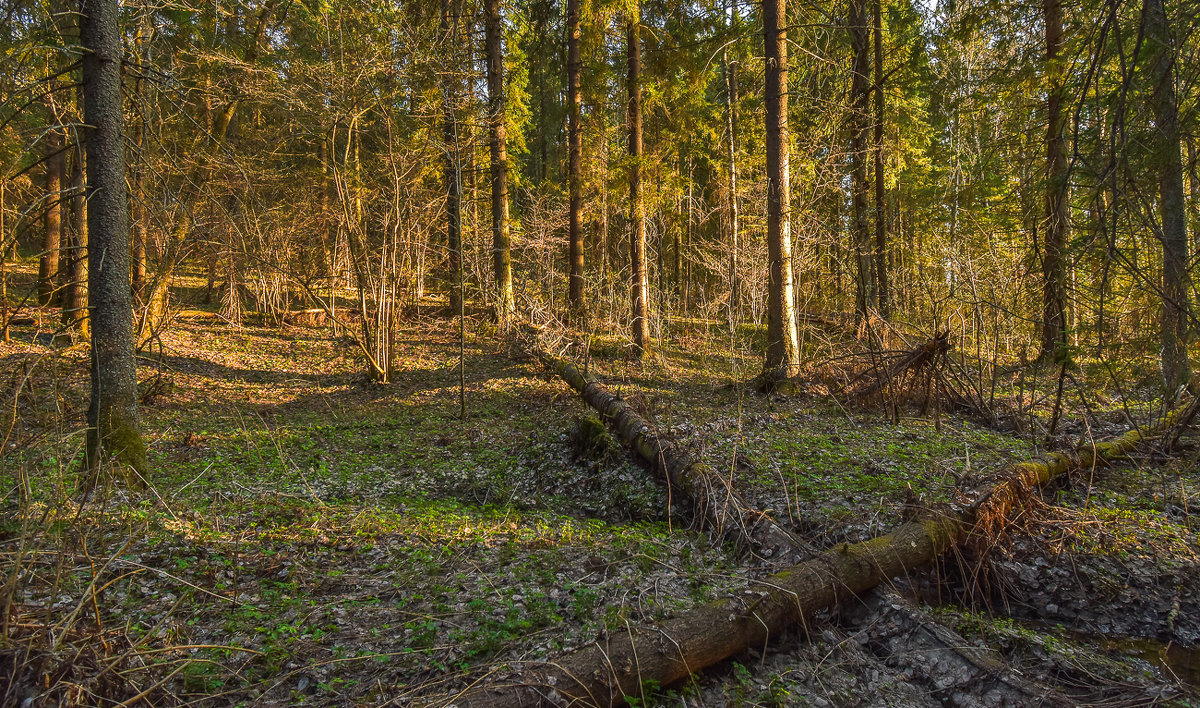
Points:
308	537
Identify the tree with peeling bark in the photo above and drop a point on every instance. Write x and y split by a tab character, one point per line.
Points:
114	431
783	348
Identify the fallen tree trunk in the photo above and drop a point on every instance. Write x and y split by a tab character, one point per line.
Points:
723	511
616	666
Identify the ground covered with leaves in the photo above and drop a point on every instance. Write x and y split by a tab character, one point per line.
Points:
309	537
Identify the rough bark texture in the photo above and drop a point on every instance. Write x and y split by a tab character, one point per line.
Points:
783	349
52	236
723	510
113	428
616	665
575	282
639	278
501	242
1056	214
865	296
1176	369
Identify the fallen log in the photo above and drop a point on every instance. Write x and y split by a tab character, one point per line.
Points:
723	510
615	667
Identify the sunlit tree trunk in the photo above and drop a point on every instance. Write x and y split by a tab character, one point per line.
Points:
113	425
501	245
637	209
865	296
881	251
74	295
783	351
450	145
575	297
1056	214
48	275
729	69
1166	149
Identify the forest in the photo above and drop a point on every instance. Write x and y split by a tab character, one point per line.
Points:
598	353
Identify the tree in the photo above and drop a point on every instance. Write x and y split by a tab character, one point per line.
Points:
783	349
449	27
501	242
881	275
865	297
113	425
639	278
1056	213
575	297
1165	153
48	274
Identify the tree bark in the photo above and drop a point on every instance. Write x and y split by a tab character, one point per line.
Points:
575	297
783	349
113	425
48	275
640	283
451	172
615	667
1176	369
1056	211
74	295
881	269
865	296
729	69
501	242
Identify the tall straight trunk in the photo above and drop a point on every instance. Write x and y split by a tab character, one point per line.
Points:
501	243
1056	215
113	426
450	145
1193	171
48	275
575	298
729	69
881	269
865	296
639	280
138	277
783	349
74	295
1176	369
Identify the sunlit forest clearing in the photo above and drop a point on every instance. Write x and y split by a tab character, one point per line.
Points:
511	353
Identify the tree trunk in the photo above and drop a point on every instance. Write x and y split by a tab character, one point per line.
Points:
74	295
783	349
48	275
640	283
1176	369
865	297
616	666
575	297
450	145
724	512
501	243
881	269
113	426
1054	278
729	69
